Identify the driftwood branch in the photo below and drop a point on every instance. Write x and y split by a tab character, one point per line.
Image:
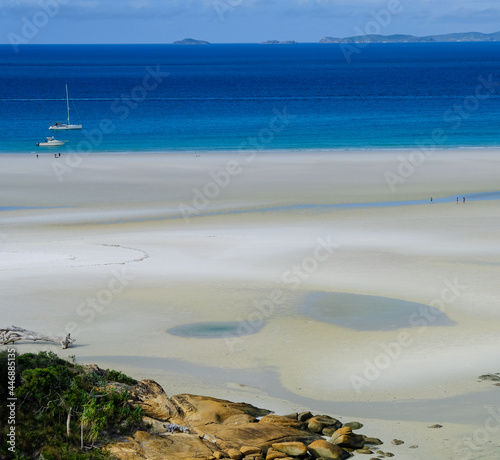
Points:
13	334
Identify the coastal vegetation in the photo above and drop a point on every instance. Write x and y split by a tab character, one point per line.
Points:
64	410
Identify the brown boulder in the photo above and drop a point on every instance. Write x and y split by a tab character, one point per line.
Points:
328	431
318	423
153	447
324	449
354	425
280	420
234	454
273	453
153	400
188	409
210	457
340	432
304	416
249	450
344	437
373	441
353	441
293	449
261	435
201	410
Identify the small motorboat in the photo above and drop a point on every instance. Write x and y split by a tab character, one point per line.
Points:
51	142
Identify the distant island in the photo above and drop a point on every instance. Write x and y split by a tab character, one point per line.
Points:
191	41
374	38
401	38
277	42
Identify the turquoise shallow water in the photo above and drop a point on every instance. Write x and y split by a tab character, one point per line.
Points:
212	330
371	313
220	97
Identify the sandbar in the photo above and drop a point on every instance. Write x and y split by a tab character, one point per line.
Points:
118	249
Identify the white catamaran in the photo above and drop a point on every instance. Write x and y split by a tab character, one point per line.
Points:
62	126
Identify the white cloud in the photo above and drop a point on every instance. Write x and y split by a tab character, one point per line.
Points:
105	8
313	17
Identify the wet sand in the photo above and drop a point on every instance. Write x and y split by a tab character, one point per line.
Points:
118	249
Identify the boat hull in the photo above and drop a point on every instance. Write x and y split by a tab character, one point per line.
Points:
64	127
51	142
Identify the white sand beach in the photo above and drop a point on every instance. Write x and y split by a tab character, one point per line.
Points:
119	248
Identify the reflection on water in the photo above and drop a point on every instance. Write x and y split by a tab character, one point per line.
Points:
17	208
212	330
370	313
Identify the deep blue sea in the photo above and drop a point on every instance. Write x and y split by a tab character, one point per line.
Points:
218	97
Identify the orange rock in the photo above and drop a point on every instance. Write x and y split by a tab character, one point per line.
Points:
293	449
239	419
340	432
280	420
318	423
234	454
354	441
324	449
249	450
273	453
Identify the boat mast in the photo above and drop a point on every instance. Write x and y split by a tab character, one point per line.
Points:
67	102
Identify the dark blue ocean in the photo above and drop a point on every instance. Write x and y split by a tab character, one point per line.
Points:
217	97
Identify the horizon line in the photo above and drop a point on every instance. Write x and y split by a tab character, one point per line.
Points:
281	42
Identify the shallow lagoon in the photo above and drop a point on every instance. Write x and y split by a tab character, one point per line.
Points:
369	312
211	330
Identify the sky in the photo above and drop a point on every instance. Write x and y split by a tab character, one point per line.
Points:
235	21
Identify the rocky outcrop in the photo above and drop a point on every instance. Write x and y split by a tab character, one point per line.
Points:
188	426
153	399
324	449
490	378
147	446
323	424
292	448
344	437
191	409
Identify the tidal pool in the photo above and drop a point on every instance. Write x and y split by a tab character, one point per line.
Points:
212	330
370	313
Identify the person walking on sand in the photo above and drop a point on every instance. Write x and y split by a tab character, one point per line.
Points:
457	199
463	200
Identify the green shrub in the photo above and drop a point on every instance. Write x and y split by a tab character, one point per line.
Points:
119	377
48	390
